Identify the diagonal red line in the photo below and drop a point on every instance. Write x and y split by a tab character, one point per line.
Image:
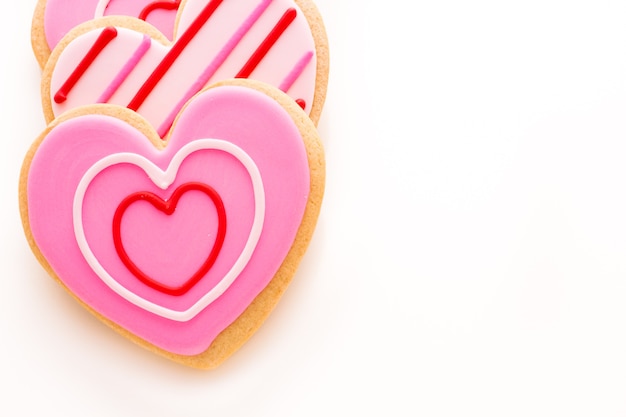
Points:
258	55
106	36
177	48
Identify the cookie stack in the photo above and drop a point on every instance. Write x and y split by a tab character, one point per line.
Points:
179	181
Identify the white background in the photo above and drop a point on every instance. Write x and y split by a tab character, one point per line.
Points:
470	258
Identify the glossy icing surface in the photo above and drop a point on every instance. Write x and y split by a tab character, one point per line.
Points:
235	164
266	40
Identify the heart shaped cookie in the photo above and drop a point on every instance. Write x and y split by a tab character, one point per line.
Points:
126	62
186	244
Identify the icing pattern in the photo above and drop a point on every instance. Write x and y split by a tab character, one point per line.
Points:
168	207
262	39
96	183
126	69
173	54
106	36
274	35
164	179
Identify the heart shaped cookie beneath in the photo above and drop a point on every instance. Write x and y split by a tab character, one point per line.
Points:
245	166
124	62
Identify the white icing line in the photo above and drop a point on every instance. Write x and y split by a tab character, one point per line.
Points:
163	179
100	8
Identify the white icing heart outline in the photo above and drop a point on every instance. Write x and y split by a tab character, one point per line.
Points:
163	179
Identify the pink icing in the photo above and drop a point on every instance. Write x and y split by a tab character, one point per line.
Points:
165	180
234	117
296	71
126	69
217	62
165	234
62	15
218	52
167	238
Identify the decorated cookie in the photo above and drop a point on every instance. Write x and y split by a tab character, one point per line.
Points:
127	62
185	243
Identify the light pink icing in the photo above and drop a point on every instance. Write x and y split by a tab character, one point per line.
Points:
214	65
176	249
296	71
126	69
234	139
218	52
62	15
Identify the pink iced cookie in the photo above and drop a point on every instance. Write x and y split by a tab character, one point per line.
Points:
122	61
183	245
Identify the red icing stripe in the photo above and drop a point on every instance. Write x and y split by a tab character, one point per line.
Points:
301	103
268	42
106	36
172	55
164	5
168	207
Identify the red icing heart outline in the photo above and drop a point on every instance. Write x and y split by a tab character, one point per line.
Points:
168	207
158	5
